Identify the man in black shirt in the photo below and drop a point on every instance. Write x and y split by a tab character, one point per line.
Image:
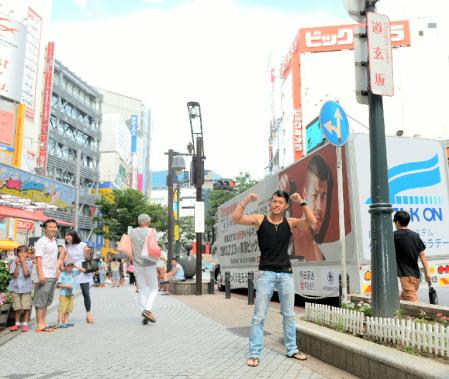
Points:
409	247
274	235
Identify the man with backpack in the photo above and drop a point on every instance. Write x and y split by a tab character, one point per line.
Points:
144	268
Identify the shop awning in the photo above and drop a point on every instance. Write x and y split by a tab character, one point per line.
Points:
8	245
27	215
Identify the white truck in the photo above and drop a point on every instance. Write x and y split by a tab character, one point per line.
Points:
418	183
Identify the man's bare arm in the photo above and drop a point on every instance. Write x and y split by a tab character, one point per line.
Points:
238	217
425	263
309	217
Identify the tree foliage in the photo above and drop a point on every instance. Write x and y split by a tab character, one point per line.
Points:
122	209
243	182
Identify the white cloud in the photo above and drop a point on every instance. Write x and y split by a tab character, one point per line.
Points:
212	52
81	3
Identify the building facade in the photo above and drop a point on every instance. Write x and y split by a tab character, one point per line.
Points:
320	67
75	126
125	148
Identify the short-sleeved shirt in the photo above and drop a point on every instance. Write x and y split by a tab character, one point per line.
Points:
179	273
48	250
138	238
75	253
408	245
68	278
21	284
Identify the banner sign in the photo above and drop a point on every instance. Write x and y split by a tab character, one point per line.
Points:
12	54
133	128
23	184
33	42
43	147
25	225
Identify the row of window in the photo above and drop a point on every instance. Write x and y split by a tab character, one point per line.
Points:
73	112
62	151
73	90
67	177
73	133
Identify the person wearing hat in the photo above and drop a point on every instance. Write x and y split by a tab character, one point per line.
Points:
67	285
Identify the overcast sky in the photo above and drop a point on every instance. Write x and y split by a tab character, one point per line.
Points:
217	52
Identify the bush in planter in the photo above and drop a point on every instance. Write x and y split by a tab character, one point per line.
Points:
5	277
6	298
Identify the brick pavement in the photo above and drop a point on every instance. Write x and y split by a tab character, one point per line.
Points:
236	314
183	344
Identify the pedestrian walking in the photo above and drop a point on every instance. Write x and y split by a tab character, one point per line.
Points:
46	253
102	271
144	269
161	268
274	235
68	284
21	286
409	248
115	272
132	278
77	252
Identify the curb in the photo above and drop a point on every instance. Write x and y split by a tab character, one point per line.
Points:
364	358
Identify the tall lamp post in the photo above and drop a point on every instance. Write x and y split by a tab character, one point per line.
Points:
176	165
197	175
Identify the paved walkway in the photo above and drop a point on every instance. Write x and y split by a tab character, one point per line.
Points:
183	344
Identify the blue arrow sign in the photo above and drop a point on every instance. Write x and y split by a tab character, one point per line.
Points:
334	123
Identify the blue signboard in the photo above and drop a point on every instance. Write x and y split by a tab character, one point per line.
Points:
133	128
314	135
334	123
99	241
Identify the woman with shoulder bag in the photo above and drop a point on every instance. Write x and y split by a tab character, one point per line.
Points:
78	252
144	269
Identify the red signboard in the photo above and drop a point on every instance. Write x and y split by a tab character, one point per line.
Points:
25	225
46	107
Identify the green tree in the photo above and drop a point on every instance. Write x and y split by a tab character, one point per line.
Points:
187	230
122	209
243	182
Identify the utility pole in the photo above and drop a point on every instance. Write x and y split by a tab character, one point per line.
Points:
170	181
199	181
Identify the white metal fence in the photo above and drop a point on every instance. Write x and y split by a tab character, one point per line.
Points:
424	337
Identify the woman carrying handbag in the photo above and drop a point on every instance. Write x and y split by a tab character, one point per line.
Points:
144	268
79	253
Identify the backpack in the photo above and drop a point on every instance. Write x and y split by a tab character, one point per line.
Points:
151	250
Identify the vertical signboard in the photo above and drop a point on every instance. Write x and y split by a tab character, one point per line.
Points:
133	128
6	130
18	141
46	106
33	42
12	53
379	54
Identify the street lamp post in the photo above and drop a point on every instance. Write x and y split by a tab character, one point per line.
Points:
197	174
175	165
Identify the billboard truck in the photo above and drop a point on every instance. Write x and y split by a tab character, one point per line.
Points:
418	183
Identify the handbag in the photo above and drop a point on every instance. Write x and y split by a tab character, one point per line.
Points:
151	250
125	245
433	297
90	265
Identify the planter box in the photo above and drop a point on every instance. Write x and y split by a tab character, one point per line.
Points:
363	358
4	312
187	287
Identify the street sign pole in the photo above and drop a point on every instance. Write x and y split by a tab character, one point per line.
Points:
341	226
335	126
374	79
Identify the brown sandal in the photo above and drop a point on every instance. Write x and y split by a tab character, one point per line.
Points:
298	356
253	362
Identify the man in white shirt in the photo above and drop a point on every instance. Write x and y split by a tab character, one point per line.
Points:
46	253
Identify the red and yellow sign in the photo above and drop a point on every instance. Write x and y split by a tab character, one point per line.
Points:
25	225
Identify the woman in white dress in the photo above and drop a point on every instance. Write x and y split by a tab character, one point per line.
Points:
77	252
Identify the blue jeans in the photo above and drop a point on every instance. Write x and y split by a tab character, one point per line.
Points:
265	287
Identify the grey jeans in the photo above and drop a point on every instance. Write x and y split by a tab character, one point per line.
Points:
43	293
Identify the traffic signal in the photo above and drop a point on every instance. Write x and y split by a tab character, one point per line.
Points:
224	184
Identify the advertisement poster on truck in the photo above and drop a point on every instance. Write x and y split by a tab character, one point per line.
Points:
418	184
315	179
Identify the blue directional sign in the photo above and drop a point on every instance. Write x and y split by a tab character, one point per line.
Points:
334	123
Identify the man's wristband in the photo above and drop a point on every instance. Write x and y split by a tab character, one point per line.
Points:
303	203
